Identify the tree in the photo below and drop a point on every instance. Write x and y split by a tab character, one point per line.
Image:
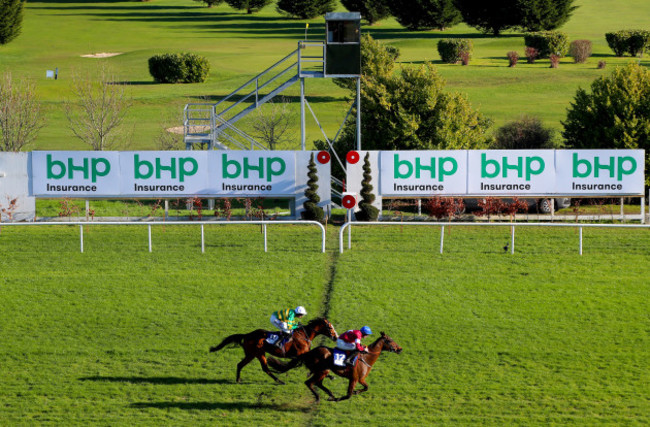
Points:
492	16
11	19
273	125
249	5
411	111
210	3
540	15
526	133
367	211
616	114
20	114
312	211
371	10
99	111
306	9
425	14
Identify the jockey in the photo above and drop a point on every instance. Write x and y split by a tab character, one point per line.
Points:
287	320
351	341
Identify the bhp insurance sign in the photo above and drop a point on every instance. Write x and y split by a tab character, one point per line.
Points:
150	174
423	172
497	172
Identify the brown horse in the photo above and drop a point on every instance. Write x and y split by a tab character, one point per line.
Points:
255	344
319	362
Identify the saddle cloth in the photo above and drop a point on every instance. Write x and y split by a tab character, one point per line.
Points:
339	356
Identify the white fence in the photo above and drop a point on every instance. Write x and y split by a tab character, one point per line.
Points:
150	224
512	226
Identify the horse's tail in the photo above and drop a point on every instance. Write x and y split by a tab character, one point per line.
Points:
235	340
279	367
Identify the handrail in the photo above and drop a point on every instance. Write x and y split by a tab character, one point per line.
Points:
239	132
167	223
349	225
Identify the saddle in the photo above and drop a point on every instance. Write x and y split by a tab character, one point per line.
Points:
277	339
340	358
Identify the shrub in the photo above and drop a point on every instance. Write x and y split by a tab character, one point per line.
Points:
633	42
555	60
451	50
513	57
312	211
464	57
367	211
531	54
580	51
525	133
601	64
548	42
179	67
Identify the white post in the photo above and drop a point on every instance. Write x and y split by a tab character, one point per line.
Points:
442	237
149	237
87	209
166	209
580	240
81	237
622	210
643	209
303	130
202	240
512	240
265	246
350	229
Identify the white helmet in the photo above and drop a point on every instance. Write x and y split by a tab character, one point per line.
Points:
301	310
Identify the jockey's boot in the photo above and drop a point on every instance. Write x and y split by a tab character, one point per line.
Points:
350	360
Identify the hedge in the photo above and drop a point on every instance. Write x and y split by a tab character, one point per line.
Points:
548	42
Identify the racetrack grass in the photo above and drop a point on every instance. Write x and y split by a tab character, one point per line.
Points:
56	33
118	336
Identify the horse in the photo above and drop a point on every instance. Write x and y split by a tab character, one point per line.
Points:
320	362
255	344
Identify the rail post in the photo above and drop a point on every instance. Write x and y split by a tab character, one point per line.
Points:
81	237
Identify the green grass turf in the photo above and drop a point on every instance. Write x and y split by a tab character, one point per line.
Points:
56	34
118	336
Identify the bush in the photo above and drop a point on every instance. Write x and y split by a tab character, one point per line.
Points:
580	51
633	42
513	57
601	64
179	67
548	42
531	54
555	60
452	50
526	133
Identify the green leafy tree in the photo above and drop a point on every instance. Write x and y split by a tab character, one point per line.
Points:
371	10
250	6
411	111
616	114
312	211
425	14
210	3
306	9
540	15
11	19
367	211
492	16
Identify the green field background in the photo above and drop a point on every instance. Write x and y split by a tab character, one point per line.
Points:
117	335
56	33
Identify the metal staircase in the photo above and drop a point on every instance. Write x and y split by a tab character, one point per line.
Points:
213	125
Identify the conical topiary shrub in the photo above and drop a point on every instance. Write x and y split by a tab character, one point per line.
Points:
312	211
367	211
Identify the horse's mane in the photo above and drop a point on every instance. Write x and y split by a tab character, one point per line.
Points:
315	320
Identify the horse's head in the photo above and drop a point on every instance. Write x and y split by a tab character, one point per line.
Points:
323	326
388	344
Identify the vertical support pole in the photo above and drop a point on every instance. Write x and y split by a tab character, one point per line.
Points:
350	229
442	237
358	113
642	209
580	240
303	136
622	209
257	90
512	240
266	249
166	209
87	209
81	237
149	237
202	240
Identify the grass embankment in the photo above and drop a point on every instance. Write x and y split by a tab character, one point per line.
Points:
117	335
57	33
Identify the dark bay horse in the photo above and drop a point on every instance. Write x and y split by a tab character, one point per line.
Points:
255	344
319	362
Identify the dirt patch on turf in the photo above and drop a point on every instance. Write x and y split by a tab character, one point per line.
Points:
101	55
